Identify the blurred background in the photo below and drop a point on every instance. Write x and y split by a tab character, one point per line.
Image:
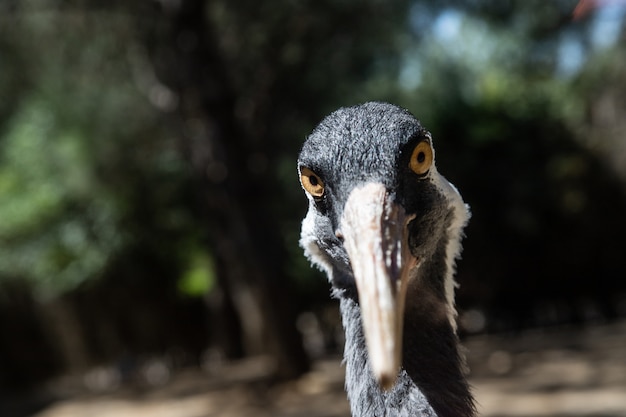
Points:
150	207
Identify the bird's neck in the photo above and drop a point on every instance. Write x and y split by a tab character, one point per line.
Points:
432	356
365	396
431	381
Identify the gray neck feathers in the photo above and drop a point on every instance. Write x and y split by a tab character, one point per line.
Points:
366	399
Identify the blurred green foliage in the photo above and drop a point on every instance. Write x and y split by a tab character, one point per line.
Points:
199	278
59	226
101	131
83	130
81	148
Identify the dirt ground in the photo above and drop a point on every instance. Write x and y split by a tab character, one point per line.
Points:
551	372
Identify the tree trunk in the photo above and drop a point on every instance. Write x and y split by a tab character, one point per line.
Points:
66	333
242	234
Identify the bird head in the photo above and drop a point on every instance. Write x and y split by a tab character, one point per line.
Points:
378	211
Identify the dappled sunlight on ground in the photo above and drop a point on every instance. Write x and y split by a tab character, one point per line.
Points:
549	372
565	372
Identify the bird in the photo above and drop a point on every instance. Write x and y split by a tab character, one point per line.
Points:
386	228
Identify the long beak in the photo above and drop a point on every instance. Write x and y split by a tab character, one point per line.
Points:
375	236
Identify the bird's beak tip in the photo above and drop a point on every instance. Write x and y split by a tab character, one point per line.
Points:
386	380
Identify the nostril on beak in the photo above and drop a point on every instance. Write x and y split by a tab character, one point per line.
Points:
339	235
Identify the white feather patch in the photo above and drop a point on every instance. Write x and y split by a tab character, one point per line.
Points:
309	242
460	217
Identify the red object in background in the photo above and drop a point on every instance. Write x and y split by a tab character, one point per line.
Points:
584	7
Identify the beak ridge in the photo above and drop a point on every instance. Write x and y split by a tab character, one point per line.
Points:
374	229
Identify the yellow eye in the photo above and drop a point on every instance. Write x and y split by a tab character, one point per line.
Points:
421	158
311	182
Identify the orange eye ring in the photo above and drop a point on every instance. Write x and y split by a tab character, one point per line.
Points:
311	182
421	158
